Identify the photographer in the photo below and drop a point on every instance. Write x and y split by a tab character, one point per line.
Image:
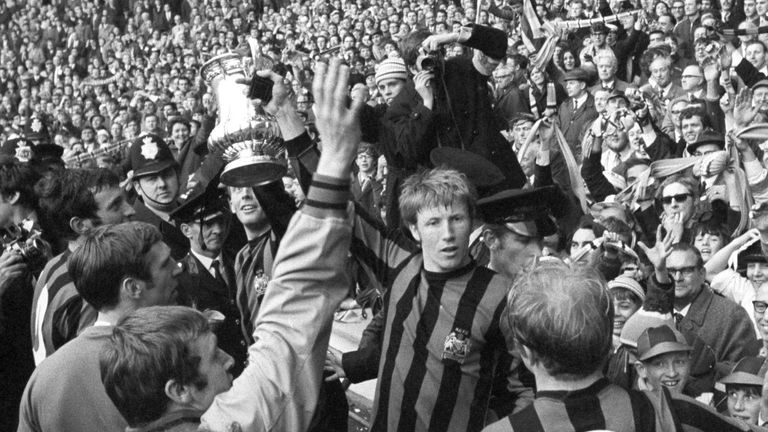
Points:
462	114
17	204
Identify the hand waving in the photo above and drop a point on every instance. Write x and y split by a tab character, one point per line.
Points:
339	126
658	254
743	112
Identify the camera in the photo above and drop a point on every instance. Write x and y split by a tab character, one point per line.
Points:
427	61
25	240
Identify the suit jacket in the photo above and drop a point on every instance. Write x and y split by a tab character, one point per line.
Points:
199	289
684	32
572	123
673	92
618	86
161	23
722	324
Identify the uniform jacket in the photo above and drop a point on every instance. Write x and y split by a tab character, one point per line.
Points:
172	236
199	289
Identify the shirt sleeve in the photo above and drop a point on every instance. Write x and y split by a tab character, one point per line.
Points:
279	388
731	285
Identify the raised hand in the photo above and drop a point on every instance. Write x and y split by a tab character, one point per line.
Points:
743	112
339	125
711	70
423	84
282	100
674	225
658	254
740	144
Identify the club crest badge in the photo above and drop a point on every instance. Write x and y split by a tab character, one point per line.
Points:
149	149
260	282
457	345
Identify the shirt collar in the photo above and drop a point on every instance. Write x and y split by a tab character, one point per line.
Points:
205	261
582	100
684	311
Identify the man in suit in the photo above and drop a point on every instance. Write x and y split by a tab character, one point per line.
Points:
607	65
685	27
660	84
721	323
208	282
578	111
163	21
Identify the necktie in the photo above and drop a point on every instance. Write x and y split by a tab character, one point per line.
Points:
678	318
575	105
217	272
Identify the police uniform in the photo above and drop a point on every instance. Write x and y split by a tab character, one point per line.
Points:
149	154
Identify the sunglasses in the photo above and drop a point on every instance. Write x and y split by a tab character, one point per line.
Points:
760	306
679	198
685	271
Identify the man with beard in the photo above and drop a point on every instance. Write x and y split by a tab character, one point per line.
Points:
155	179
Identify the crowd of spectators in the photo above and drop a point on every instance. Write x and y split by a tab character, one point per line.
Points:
560	215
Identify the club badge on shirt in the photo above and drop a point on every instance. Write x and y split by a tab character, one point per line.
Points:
457	345
260	282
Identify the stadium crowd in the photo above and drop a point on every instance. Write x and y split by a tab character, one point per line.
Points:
555	211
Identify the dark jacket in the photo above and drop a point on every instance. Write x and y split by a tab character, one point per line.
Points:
573	123
722	324
199	289
463	117
172	236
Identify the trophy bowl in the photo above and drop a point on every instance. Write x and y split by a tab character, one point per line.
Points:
249	142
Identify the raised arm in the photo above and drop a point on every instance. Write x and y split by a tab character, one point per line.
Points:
279	389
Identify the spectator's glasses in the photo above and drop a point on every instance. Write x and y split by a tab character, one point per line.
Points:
677	7
679	198
760	306
685	271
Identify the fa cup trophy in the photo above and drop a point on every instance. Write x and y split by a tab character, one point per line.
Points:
250	141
